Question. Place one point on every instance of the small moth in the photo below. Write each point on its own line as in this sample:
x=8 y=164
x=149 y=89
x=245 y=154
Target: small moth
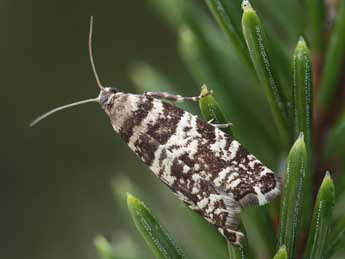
x=206 y=168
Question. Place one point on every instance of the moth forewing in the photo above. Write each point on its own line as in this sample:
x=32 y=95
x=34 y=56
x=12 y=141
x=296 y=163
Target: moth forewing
x=207 y=169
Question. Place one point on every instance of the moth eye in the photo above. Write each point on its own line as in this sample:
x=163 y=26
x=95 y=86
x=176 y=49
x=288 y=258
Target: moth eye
x=113 y=90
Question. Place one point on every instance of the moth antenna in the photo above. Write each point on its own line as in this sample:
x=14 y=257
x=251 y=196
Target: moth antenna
x=43 y=116
x=91 y=55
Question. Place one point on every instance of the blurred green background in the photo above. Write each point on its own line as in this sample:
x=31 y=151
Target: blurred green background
x=64 y=181
x=56 y=178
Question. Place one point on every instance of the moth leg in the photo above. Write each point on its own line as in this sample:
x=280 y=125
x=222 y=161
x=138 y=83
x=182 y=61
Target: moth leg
x=233 y=236
x=222 y=126
x=219 y=126
x=175 y=98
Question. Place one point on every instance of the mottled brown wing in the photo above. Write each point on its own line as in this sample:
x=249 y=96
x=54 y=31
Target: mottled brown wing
x=199 y=194
x=215 y=156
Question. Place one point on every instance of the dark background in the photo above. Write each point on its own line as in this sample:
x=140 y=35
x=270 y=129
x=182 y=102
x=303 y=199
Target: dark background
x=56 y=177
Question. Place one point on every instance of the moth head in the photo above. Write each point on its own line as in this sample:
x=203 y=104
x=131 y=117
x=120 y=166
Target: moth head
x=106 y=96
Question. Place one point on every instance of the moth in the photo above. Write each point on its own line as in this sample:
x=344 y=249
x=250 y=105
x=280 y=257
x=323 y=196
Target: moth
x=206 y=168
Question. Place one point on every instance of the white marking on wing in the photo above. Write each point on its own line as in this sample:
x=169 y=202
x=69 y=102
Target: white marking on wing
x=234 y=183
x=203 y=203
x=261 y=197
x=219 y=144
x=265 y=171
x=222 y=175
x=234 y=146
x=142 y=128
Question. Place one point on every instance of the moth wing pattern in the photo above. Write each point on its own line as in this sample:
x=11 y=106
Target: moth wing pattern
x=206 y=168
x=215 y=156
x=198 y=193
x=248 y=179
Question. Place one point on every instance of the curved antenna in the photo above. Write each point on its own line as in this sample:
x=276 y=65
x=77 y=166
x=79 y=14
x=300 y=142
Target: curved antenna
x=42 y=117
x=91 y=55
